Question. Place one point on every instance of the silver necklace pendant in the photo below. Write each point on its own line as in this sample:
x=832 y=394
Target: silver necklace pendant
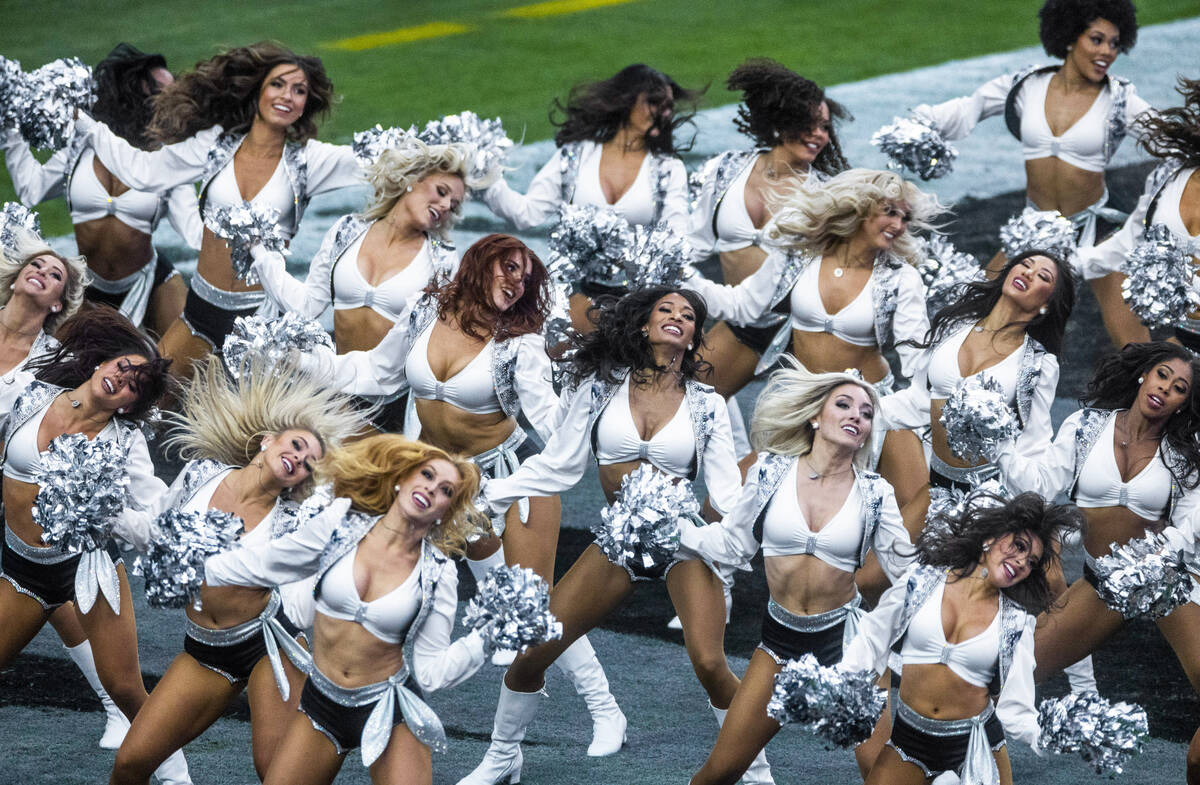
x=813 y=475
x=75 y=404
x=978 y=329
x=838 y=272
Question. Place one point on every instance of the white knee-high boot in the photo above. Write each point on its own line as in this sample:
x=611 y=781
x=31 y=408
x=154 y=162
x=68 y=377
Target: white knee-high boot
x=1082 y=676
x=502 y=762
x=759 y=772
x=580 y=665
x=173 y=770
x=116 y=724
x=479 y=568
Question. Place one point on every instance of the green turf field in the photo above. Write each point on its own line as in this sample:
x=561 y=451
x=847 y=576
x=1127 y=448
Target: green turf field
x=510 y=59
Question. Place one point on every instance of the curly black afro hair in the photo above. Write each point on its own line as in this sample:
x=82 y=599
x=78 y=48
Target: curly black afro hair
x=1063 y=21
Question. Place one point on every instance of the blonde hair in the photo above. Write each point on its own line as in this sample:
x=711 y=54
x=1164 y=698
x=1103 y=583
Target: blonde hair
x=399 y=168
x=817 y=220
x=226 y=419
x=27 y=245
x=368 y=471
x=792 y=399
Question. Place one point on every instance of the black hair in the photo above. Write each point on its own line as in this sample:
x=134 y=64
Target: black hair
x=974 y=300
x=596 y=111
x=778 y=105
x=618 y=343
x=1115 y=385
x=1175 y=132
x=96 y=336
x=1063 y=21
x=125 y=92
x=958 y=542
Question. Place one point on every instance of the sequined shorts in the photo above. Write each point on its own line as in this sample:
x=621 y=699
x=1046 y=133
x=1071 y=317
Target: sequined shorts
x=789 y=636
x=943 y=475
x=233 y=652
x=939 y=745
x=210 y=312
x=114 y=292
x=43 y=574
x=342 y=724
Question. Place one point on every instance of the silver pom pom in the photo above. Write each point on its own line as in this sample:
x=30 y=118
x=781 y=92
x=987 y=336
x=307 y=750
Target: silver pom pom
x=655 y=256
x=511 y=608
x=642 y=525
x=13 y=89
x=943 y=270
x=840 y=706
x=54 y=92
x=588 y=243
x=1159 y=287
x=174 y=564
x=915 y=145
x=243 y=225
x=1143 y=577
x=947 y=505
x=488 y=142
x=15 y=217
x=1044 y=230
x=368 y=145
x=1105 y=734
x=270 y=340
x=82 y=489
x=977 y=418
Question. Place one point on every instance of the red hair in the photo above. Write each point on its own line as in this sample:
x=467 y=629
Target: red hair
x=469 y=295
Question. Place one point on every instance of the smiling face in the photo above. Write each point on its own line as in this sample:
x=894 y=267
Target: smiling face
x=283 y=95
x=672 y=323
x=114 y=383
x=1164 y=389
x=1094 y=51
x=884 y=226
x=510 y=275
x=847 y=417
x=1030 y=283
x=289 y=455
x=43 y=279
x=432 y=201
x=803 y=147
x=424 y=496
x=1011 y=558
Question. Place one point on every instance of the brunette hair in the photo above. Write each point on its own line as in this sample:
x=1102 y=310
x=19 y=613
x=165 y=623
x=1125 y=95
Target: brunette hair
x=125 y=93
x=96 y=336
x=468 y=296
x=1063 y=21
x=595 y=111
x=1175 y=132
x=778 y=105
x=224 y=90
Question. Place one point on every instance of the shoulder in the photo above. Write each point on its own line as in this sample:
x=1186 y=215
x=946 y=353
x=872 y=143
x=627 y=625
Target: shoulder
x=35 y=396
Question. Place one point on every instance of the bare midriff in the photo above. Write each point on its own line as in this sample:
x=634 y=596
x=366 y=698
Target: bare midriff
x=446 y=426
x=223 y=607
x=1053 y=184
x=350 y=656
x=113 y=249
x=738 y=265
x=1106 y=525
x=216 y=267
x=936 y=692
x=359 y=329
x=825 y=353
x=805 y=585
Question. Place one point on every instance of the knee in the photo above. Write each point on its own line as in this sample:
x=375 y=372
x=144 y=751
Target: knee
x=712 y=670
x=128 y=692
x=131 y=766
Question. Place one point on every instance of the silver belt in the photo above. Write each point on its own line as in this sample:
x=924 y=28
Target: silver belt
x=226 y=300
x=851 y=613
x=972 y=475
x=34 y=553
x=934 y=727
x=138 y=284
x=501 y=461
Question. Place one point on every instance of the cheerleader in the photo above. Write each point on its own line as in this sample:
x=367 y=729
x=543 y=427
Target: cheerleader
x=380 y=555
x=617 y=151
x=814 y=510
x=113 y=223
x=1070 y=119
x=963 y=620
x=1130 y=461
x=101 y=382
x=633 y=400
x=372 y=266
x=1171 y=197
x=251 y=445
x=480 y=333
x=241 y=124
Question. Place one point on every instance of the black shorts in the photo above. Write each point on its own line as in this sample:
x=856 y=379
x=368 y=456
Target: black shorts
x=51 y=585
x=783 y=643
x=237 y=660
x=163 y=270
x=1091 y=577
x=938 y=480
x=387 y=418
x=754 y=338
x=936 y=754
x=343 y=725
x=211 y=322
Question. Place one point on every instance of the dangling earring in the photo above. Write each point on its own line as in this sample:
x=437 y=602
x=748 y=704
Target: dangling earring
x=1141 y=379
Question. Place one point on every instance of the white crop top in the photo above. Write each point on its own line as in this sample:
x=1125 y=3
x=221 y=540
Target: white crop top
x=735 y=229
x=1146 y=495
x=391 y=296
x=473 y=389
x=277 y=192
x=387 y=617
x=944 y=374
x=854 y=324
x=90 y=202
x=973 y=660
x=786 y=532
x=636 y=205
x=1166 y=211
x=672 y=449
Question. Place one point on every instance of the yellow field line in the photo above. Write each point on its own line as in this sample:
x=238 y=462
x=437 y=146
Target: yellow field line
x=558 y=8
x=403 y=35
